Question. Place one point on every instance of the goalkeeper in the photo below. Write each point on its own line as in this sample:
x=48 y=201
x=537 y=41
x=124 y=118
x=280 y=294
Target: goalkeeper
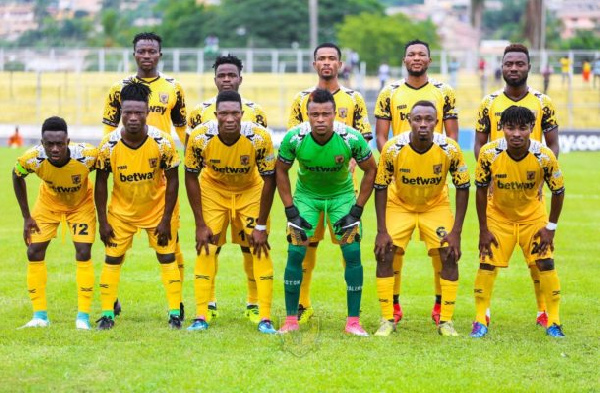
x=324 y=148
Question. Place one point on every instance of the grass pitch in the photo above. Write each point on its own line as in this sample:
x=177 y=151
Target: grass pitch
x=142 y=354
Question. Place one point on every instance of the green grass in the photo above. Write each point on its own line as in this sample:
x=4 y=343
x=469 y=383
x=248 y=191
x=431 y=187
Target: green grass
x=142 y=354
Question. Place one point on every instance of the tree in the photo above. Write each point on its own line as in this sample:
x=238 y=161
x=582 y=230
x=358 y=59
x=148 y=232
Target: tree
x=183 y=22
x=377 y=37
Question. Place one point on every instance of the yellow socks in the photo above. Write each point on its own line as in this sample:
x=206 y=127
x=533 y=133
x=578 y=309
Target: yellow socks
x=385 y=291
x=308 y=265
x=109 y=285
x=263 y=273
x=85 y=285
x=204 y=276
x=180 y=263
x=550 y=287
x=484 y=284
x=251 y=282
x=213 y=296
x=534 y=271
x=436 y=262
x=172 y=282
x=37 y=276
x=449 y=290
x=397 y=266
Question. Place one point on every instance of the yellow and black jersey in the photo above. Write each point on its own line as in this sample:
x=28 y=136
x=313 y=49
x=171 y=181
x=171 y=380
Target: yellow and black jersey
x=350 y=107
x=493 y=105
x=396 y=100
x=65 y=188
x=166 y=106
x=138 y=195
x=516 y=184
x=418 y=180
x=236 y=167
x=206 y=111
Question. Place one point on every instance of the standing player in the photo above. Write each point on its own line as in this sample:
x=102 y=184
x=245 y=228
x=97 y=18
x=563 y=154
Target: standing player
x=228 y=77
x=513 y=214
x=144 y=162
x=324 y=148
x=66 y=196
x=515 y=70
x=232 y=157
x=393 y=107
x=417 y=162
x=350 y=110
x=166 y=105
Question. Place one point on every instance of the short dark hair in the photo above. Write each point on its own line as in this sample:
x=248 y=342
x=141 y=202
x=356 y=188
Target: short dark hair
x=417 y=42
x=517 y=48
x=328 y=45
x=517 y=116
x=423 y=103
x=229 y=96
x=135 y=91
x=228 y=59
x=320 y=96
x=54 y=123
x=150 y=36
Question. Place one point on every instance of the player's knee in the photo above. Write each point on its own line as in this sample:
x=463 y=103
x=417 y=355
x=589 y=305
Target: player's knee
x=36 y=251
x=83 y=251
x=165 y=258
x=113 y=260
x=385 y=267
x=487 y=266
x=545 y=264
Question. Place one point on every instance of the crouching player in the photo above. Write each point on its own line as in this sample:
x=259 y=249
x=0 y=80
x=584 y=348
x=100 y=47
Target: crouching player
x=66 y=196
x=416 y=164
x=231 y=158
x=512 y=169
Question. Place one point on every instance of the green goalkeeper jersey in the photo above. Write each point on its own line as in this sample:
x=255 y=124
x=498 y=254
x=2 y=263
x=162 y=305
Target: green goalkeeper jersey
x=323 y=171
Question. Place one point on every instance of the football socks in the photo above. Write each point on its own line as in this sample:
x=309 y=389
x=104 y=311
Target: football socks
x=308 y=265
x=449 y=291
x=484 y=284
x=251 y=281
x=85 y=285
x=550 y=286
x=397 y=266
x=204 y=276
x=292 y=278
x=354 y=277
x=263 y=272
x=37 y=276
x=385 y=288
x=172 y=282
x=436 y=262
x=534 y=272
x=109 y=287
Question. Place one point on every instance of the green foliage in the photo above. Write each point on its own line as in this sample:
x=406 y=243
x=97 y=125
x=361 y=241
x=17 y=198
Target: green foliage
x=506 y=23
x=583 y=40
x=377 y=37
x=184 y=22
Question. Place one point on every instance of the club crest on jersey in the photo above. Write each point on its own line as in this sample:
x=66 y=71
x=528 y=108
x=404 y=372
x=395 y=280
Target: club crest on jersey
x=76 y=179
x=163 y=98
x=153 y=162
x=530 y=175
x=437 y=169
x=245 y=160
x=343 y=112
x=339 y=159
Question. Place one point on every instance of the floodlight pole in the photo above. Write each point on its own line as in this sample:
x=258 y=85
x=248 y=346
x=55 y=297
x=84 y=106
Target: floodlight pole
x=313 y=21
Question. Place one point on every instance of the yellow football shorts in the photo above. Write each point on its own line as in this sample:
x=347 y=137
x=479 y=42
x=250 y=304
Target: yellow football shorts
x=81 y=223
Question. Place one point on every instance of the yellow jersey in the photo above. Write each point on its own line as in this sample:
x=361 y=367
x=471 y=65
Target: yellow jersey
x=516 y=195
x=139 y=184
x=350 y=110
x=206 y=111
x=65 y=188
x=493 y=105
x=235 y=167
x=396 y=100
x=166 y=105
x=418 y=180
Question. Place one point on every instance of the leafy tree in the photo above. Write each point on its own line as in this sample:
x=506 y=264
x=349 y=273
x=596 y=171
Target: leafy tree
x=583 y=40
x=377 y=37
x=183 y=22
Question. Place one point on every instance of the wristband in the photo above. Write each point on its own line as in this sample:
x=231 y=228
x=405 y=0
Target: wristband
x=260 y=227
x=551 y=226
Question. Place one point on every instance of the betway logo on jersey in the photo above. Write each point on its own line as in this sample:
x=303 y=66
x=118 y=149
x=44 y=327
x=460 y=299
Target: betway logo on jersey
x=422 y=181
x=62 y=190
x=157 y=109
x=136 y=177
x=515 y=185
x=324 y=168
x=231 y=170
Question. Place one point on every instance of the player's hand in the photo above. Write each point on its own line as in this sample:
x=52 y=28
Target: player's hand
x=452 y=241
x=352 y=165
x=348 y=226
x=486 y=239
x=106 y=232
x=296 y=226
x=383 y=246
x=163 y=232
x=204 y=237
x=30 y=226
x=259 y=242
x=546 y=237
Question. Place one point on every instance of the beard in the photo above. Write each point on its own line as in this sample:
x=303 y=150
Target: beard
x=517 y=82
x=417 y=73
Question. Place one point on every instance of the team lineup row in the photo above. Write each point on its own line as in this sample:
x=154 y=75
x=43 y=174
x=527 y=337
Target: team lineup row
x=239 y=173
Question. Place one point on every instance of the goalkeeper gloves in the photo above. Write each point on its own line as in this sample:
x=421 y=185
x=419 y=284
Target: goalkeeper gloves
x=348 y=226
x=296 y=226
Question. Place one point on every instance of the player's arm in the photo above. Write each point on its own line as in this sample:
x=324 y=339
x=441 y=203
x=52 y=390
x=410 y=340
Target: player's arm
x=282 y=179
x=451 y=128
x=369 y=167
x=163 y=230
x=551 y=138
x=382 y=130
x=101 y=198
x=204 y=235
x=29 y=224
x=295 y=112
x=481 y=138
x=486 y=238
x=450 y=114
x=259 y=237
x=383 y=241
x=453 y=238
x=112 y=109
x=554 y=180
x=178 y=114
